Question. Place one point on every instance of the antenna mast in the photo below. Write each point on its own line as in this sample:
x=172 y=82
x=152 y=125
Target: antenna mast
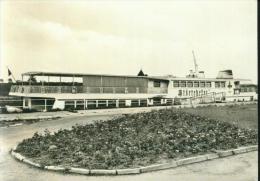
x=195 y=63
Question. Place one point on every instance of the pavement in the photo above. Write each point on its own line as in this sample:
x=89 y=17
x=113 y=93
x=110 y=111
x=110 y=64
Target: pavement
x=241 y=167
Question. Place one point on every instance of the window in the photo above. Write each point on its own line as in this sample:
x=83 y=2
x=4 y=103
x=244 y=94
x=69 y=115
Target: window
x=208 y=84
x=157 y=84
x=222 y=84
x=183 y=84
x=196 y=84
x=217 y=84
x=190 y=84
x=202 y=84
x=175 y=83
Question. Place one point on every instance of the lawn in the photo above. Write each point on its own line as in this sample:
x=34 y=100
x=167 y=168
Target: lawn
x=244 y=116
x=145 y=138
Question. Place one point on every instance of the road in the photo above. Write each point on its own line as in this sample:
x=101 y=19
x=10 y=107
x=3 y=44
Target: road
x=236 y=168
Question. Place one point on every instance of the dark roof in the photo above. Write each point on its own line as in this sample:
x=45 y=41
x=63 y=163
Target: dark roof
x=141 y=73
x=62 y=74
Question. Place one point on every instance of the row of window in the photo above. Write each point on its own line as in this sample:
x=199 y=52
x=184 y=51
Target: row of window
x=247 y=89
x=192 y=92
x=197 y=84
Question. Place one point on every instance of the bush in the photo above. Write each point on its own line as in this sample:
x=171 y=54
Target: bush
x=135 y=140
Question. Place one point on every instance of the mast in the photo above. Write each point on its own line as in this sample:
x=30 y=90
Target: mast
x=195 y=63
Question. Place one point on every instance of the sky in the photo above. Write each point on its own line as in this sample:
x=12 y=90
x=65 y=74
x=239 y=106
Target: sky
x=121 y=37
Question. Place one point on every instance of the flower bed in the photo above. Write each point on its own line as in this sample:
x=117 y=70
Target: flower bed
x=135 y=140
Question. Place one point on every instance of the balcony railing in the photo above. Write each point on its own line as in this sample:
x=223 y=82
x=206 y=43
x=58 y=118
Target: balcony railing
x=74 y=89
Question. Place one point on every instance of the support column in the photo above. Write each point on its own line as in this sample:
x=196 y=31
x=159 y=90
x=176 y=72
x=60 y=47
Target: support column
x=106 y=103
x=45 y=104
x=75 y=104
x=139 y=102
x=117 y=103
x=84 y=104
x=30 y=103
x=96 y=103
x=23 y=102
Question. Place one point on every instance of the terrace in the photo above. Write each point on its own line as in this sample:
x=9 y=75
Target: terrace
x=26 y=89
x=58 y=83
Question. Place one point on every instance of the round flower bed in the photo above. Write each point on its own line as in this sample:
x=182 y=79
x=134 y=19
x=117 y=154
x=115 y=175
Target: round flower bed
x=135 y=140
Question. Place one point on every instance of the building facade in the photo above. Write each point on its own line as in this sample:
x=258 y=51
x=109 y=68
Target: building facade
x=92 y=91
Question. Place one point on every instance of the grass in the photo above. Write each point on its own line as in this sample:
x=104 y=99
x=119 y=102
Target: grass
x=142 y=139
x=244 y=116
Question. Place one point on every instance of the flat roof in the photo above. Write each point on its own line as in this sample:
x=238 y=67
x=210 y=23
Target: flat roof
x=165 y=78
x=62 y=74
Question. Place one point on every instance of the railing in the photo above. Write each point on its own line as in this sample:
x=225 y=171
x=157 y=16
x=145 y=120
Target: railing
x=205 y=98
x=75 y=89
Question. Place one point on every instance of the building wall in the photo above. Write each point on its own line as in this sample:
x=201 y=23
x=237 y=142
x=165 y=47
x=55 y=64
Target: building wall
x=115 y=84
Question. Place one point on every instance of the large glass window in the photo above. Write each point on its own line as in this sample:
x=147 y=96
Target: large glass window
x=183 y=84
x=217 y=84
x=189 y=84
x=202 y=84
x=196 y=84
x=208 y=84
x=157 y=84
x=175 y=83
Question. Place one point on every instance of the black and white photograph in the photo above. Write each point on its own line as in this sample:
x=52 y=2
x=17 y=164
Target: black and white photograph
x=122 y=90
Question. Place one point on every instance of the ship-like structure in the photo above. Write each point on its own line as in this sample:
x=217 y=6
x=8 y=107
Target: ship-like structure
x=92 y=91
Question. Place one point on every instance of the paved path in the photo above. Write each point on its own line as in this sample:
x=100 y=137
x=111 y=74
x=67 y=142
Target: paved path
x=236 y=168
x=13 y=116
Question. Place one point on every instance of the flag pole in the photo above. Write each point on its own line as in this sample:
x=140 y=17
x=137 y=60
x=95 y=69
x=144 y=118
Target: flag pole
x=9 y=72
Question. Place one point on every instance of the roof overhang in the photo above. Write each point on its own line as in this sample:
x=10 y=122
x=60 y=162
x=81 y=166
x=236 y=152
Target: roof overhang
x=57 y=74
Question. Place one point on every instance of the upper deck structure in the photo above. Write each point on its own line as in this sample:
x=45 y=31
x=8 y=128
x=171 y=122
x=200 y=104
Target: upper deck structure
x=71 y=87
x=48 y=90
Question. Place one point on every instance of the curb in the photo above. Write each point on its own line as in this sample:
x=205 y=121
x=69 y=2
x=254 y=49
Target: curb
x=190 y=160
x=150 y=168
x=128 y=171
x=158 y=167
x=79 y=171
x=212 y=156
x=225 y=153
x=102 y=172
